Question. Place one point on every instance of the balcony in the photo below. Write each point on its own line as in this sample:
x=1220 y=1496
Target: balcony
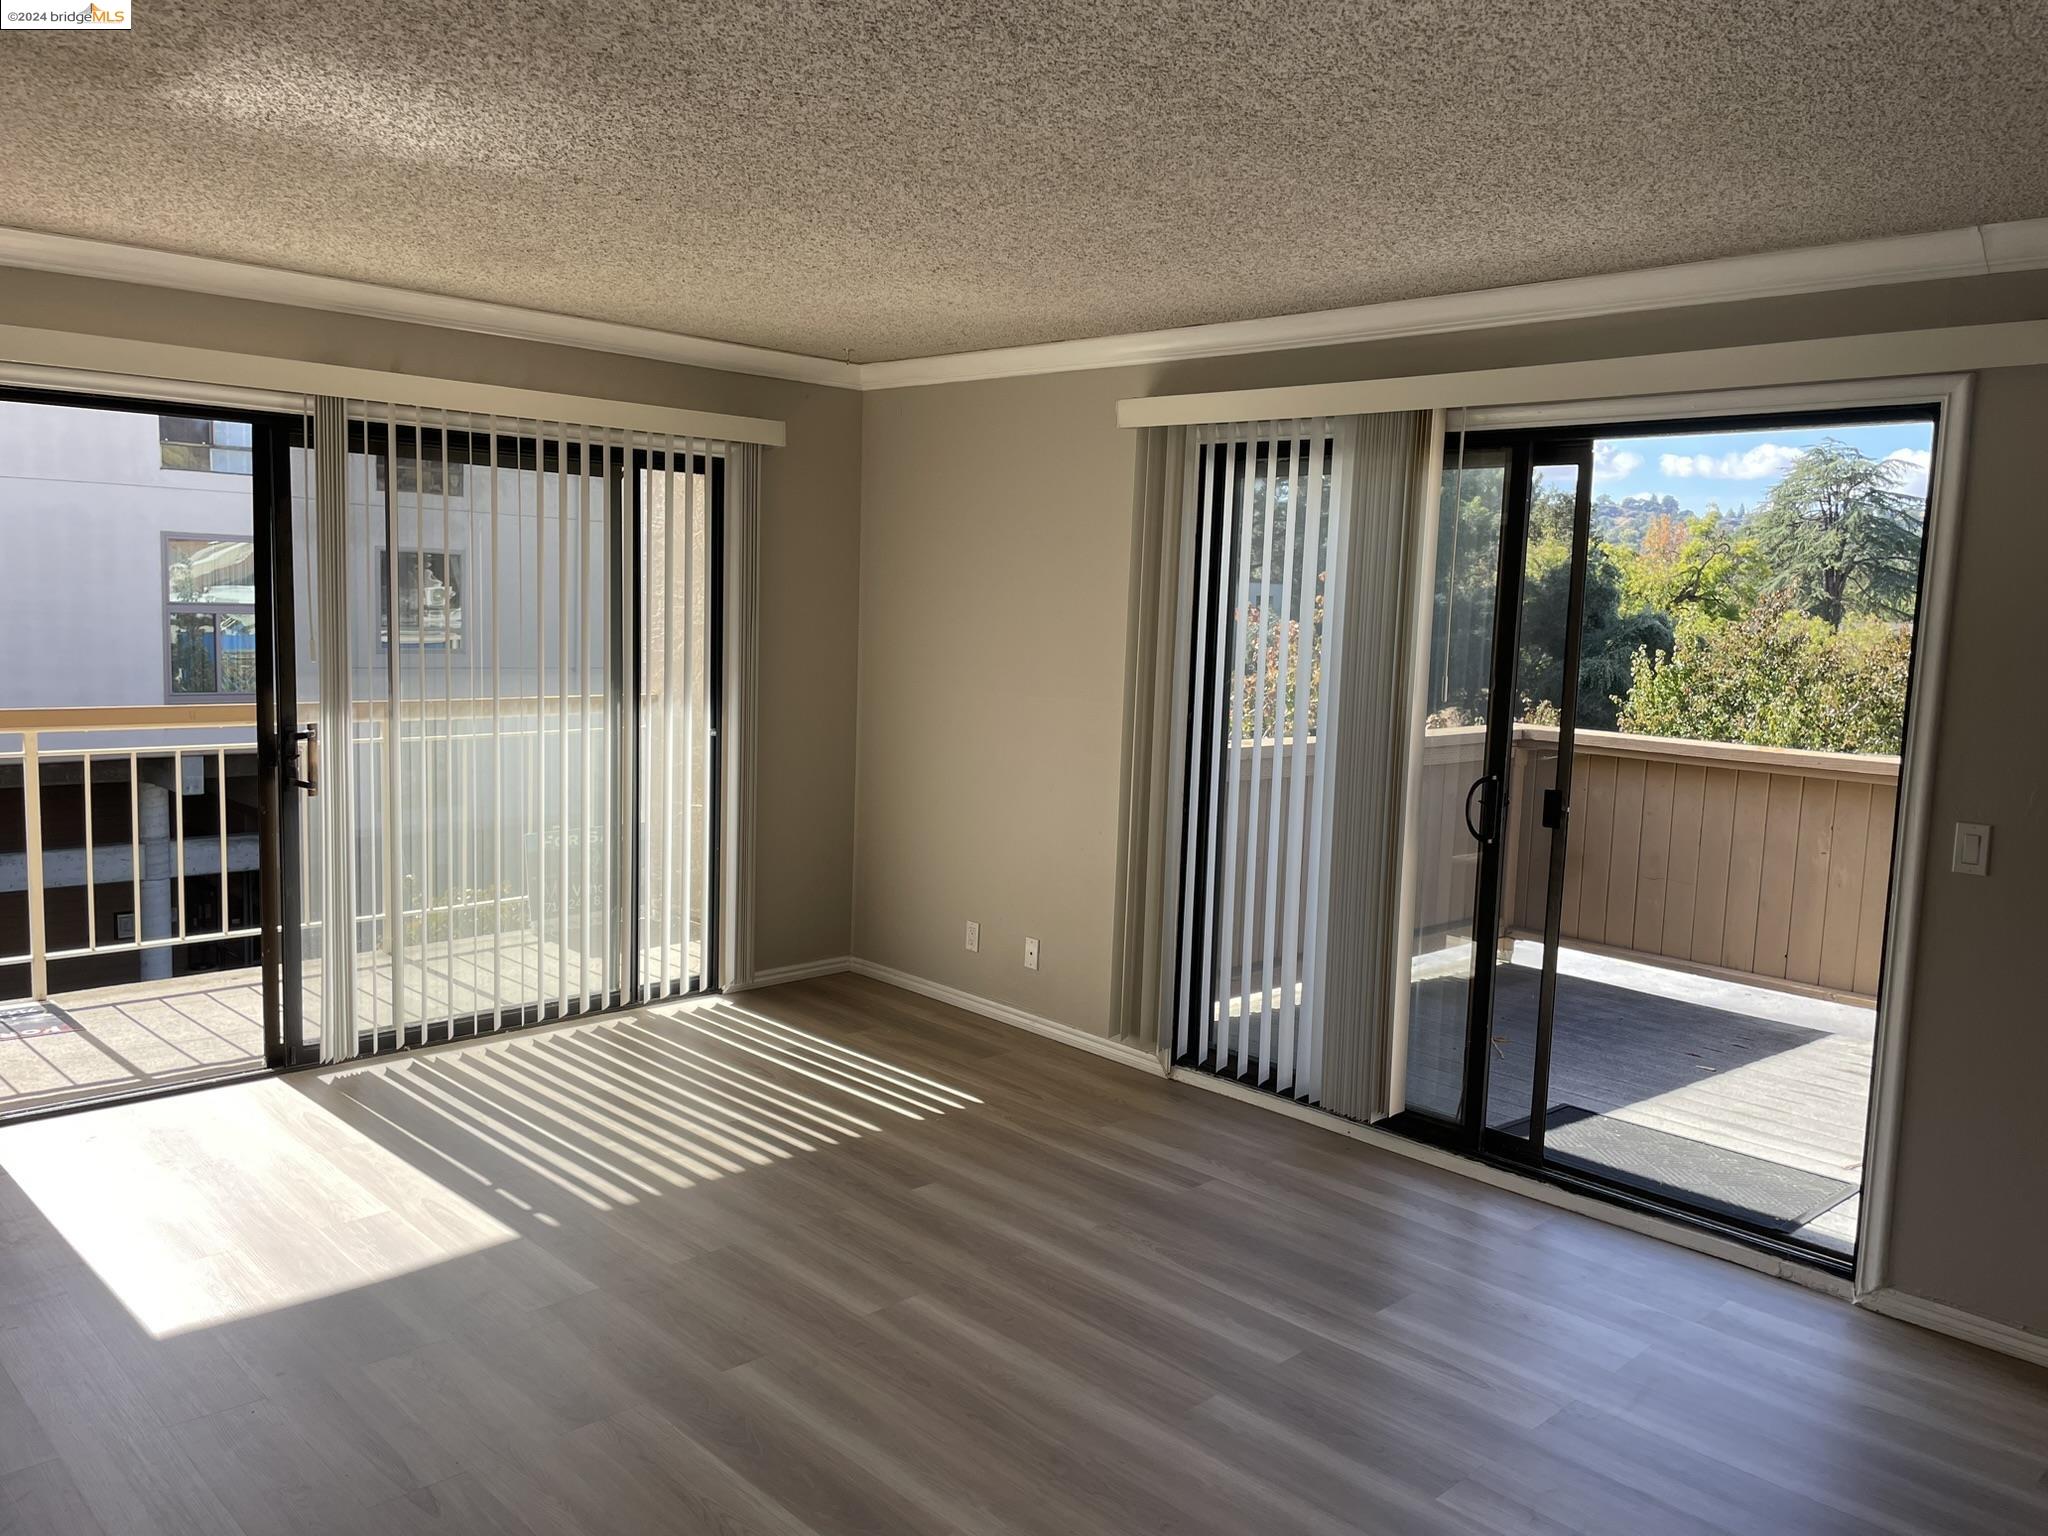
x=1722 y=927
x=130 y=902
x=1722 y=933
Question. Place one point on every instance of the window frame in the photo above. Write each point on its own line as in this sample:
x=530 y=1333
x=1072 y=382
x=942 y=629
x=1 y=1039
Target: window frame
x=173 y=609
x=386 y=616
x=212 y=425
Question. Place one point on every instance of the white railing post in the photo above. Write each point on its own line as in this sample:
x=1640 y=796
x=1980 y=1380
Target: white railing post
x=32 y=821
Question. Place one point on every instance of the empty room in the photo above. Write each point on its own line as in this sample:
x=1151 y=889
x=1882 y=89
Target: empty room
x=1032 y=768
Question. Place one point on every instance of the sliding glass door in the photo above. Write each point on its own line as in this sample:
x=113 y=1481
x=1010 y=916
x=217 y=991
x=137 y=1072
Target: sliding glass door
x=1659 y=766
x=508 y=667
x=1501 y=661
x=141 y=831
x=1454 y=780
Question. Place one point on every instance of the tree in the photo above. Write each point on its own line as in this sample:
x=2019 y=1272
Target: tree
x=1272 y=645
x=1777 y=677
x=1842 y=536
x=1694 y=563
x=1467 y=567
x=1610 y=635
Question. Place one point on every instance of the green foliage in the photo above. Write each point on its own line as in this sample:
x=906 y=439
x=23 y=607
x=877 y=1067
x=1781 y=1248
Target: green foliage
x=1696 y=564
x=1776 y=677
x=1625 y=523
x=1611 y=634
x=1789 y=627
x=1467 y=566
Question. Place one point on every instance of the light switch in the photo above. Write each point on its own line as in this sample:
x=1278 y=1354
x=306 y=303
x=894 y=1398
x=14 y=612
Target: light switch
x=1973 y=848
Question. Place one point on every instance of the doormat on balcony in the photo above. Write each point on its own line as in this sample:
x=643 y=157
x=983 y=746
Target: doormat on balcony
x=32 y=1021
x=1698 y=1174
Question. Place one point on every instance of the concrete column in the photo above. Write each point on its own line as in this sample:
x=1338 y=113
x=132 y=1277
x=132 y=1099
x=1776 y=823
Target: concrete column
x=159 y=915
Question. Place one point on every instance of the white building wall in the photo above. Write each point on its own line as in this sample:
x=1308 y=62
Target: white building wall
x=84 y=506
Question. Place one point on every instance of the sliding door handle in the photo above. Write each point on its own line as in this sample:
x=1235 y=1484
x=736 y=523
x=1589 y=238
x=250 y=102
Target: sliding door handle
x=1488 y=806
x=306 y=759
x=1553 y=809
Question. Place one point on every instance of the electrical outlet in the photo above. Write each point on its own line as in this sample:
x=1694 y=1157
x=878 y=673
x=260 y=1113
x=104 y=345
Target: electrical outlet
x=1031 y=954
x=974 y=938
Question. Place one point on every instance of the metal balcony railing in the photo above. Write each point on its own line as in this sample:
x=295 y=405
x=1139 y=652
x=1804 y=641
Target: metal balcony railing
x=185 y=780
x=155 y=752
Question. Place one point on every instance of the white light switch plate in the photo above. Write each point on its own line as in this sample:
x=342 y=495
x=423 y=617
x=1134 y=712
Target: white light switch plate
x=1973 y=848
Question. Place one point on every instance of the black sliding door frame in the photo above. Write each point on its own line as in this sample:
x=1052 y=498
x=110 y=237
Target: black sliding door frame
x=284 y=753
x=1468 y=1132
x=1488 y=799
x=273 y=436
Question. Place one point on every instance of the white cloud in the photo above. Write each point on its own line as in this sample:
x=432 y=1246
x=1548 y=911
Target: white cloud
x=1759 y=463
x=1916 y=462
x=1612 y=463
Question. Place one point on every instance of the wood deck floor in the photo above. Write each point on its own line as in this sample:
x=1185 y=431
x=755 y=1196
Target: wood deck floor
x=1769 y=1074
x=834 y=1258
x=146 y=1035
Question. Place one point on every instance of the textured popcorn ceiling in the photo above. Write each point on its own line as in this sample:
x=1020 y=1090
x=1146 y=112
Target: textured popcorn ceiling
x=868 y=181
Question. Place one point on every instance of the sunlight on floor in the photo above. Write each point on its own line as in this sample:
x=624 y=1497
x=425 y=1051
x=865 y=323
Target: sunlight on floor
x=205 y=1207
x=625 y=1107
x=201 y=1208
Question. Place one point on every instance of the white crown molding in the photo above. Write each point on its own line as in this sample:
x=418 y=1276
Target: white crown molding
x=201 y=274
x=1972 y=252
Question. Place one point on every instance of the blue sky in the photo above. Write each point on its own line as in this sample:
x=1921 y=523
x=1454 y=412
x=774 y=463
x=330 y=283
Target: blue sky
x=1736 y=469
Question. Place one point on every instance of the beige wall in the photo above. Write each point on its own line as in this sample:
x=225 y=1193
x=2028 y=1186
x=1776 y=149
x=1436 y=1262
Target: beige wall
x=994 y=562
x=994 y=575
x=1974 y=1151
x=809 y=541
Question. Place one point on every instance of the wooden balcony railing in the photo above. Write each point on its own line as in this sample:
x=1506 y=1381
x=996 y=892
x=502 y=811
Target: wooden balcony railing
x=1761 y=862
x=1767 y=865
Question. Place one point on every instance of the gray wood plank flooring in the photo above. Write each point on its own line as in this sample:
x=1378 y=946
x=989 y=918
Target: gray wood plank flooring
x=835 y=1258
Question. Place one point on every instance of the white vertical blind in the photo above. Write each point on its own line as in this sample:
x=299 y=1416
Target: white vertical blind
x=1304 y=555
x=676 y=579
x=486 y=594
x=1263 y=502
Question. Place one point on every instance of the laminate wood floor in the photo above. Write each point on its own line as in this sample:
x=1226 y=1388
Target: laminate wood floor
x=835 y=1258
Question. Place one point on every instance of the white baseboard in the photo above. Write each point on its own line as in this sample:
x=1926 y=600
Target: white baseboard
x=1003 y=1013
x=804 y=970
x=2020 y=1343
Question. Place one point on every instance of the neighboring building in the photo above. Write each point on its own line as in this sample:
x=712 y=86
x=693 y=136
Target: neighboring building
x=129 y=579
x=126 y=555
